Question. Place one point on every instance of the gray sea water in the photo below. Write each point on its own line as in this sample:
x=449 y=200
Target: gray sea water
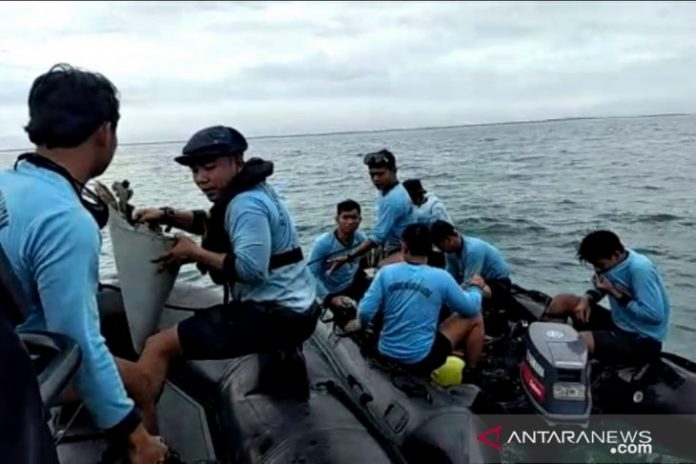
x=531 y=189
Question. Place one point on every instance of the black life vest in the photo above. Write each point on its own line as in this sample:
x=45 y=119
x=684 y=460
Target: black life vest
x=216 y=238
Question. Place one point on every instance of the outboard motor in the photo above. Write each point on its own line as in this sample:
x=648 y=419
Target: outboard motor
x=555 y=373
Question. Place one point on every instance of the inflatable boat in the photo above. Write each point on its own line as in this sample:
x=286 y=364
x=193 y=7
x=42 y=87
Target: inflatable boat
x=336 y=400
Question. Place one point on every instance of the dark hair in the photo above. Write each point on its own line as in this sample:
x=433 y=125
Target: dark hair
x=440 y=230
x=66 y=106
x=347 y=206
x=600 y=244
x=418 y=239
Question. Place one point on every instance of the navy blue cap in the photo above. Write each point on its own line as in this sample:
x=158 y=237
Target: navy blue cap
x=210 y=143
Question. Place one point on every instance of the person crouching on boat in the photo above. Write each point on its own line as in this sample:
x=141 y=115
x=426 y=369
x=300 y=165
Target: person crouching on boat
x=410 y=294
x=340 y=290
x=250 y=246
x=637 y=324
x=395 y=211
x=428 y=207
x=469 y=256
x=49 y=229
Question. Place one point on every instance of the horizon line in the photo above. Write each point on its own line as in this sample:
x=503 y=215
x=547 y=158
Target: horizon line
x=404 y=129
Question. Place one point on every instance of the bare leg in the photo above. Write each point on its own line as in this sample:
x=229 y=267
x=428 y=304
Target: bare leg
x=137 y=386
x=561 y=306
x=159 y=351
x=468 y=332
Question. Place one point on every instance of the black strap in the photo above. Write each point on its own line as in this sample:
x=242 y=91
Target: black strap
x=13 y=303
x=200 y=220
x=287 y=257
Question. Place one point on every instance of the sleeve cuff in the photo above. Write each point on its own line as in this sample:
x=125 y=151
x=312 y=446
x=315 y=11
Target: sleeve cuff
x=126 y=426
x=470 y=287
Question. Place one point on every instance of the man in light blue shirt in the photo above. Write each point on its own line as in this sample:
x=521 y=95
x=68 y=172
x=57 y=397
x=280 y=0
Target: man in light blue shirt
x=51 y=237
x=348 y=283
x=410 y=295
x=395 y=211
x=250 y=246
x=637 y=324
x=428 y=207
x=469 y=256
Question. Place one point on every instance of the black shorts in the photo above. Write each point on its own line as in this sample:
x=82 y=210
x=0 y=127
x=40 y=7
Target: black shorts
x=614 y=345
x=437 y=356
x=501 y=293
x=240 y=328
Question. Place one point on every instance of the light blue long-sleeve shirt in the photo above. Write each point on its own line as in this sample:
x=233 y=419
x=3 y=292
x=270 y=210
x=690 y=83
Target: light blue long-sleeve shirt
x=411 y=296
x=328 y=245
x=432 y=210
x=260 y=225
x=647 y=312
x=477 y=257
x=395 y=212
x=53 y=245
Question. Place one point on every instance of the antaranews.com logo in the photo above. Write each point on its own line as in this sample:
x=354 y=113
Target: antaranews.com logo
x=617 y=441
x=527 y=439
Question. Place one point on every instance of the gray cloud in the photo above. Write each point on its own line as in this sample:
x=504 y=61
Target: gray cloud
x=278 y=67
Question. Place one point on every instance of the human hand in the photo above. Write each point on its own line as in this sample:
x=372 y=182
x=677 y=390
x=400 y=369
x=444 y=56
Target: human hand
x=146 y=448
x=582 y=310
x=343 y=302
x=183 y=251
x=152 y=215
x=352 y=326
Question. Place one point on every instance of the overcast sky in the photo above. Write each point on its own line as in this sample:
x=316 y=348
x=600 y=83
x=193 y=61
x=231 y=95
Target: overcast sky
x=280 y=68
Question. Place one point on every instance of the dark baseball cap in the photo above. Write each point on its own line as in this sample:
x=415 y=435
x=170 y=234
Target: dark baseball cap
x=210 y=143
x=414 y=186
x=380 y=158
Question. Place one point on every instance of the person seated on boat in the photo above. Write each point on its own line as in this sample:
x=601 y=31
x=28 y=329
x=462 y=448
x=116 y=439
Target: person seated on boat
x=469 y=256
x=635 y=327
x=410 y=295
x=395 y=211
x=51 y=236
x=348 y=284
x=428 y=207
x=250 y=246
